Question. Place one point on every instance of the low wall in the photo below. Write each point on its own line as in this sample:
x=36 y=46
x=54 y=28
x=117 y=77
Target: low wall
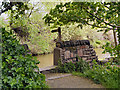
x=70 y=51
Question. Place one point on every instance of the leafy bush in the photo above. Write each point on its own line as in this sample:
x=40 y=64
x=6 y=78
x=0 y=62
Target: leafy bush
x=18 y=67
x=81 y=65
x=68 y=67
x=114 y=51
x=107 y=75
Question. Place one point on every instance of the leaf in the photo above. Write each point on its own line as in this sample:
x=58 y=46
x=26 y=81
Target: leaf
x=99 y=30
x=80 y=25
x=106 y=30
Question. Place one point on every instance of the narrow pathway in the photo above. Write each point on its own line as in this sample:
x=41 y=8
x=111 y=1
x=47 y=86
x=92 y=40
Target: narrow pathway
x=59 y=80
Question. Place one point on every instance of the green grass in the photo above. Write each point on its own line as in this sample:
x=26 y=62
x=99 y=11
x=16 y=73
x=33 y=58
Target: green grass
x=107 y=77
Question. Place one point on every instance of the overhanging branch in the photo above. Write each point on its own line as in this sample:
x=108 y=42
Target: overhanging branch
x=99 y=18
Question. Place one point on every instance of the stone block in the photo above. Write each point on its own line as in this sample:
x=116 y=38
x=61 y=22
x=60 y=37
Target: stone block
x=93 y=54
x=57 y=55
x=80 y=52
x=93 y=51
x=71 y=54
x=86 y=46
x=67 y=54
x=89 y=49
x=88 y=53
x=90 y=46
x=94 y=57
x=88 y=58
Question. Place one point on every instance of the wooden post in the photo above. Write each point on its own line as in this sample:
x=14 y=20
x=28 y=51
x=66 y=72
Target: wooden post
x=57 y=50
x=59 y=33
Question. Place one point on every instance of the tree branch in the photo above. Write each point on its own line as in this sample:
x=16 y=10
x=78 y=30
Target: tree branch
x=96 y=26
x=32 y=10
x=6 y=9
x=99 y=18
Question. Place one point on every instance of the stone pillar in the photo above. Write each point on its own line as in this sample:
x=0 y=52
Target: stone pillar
x=57 y=55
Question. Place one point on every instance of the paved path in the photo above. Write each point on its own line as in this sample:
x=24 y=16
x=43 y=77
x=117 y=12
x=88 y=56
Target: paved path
x=59 y=80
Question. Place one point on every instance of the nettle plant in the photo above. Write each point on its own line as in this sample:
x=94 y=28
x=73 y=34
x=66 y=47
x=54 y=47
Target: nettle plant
x=18 y=66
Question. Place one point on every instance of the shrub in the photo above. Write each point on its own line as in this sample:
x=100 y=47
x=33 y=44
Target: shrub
x=107 y=75
x=80 y=66
x=18 y=67
x=66 y=67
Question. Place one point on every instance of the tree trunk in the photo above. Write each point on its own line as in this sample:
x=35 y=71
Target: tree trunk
x=118 y=28
x=115 y=40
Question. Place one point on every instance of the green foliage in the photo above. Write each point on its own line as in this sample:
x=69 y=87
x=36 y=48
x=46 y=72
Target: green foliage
x=37 y=35
x=18 y=67
x=96 y=14
x=0 y=59
x=32 y=30
x=81 y=66
x=17 y=7
x=84 y=13
x=114 y=51
x=68 y=67
x=72 y=32
x=107 y=75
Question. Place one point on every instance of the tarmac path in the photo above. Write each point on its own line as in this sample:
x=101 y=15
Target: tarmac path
x=60 y=80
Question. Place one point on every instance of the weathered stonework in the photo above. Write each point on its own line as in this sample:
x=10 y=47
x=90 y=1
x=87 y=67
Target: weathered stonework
x=57 y=55
x=71 y=50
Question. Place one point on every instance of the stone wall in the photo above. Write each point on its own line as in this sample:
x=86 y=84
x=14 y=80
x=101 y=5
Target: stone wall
x=72 y=50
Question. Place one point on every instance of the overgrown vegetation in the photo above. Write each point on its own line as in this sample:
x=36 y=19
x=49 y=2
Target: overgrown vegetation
x=30 y=28
x=102 y=15
x=18 y=67
x=107 y=75
x=26 y=21
x=113 y=51
x=79 y=66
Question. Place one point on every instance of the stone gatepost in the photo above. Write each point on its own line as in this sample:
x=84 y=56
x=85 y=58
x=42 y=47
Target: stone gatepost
x=57 y=55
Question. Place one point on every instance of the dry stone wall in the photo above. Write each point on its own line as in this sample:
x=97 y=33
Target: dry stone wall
x=72 y=50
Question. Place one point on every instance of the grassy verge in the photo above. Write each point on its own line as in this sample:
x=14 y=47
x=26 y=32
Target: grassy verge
x=108 y=81
x=106 y=75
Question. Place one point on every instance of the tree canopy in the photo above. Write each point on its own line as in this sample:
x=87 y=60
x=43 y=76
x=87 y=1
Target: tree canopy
x=96 y=14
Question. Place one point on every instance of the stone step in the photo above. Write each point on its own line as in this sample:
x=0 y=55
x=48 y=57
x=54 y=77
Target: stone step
x=94 y=54
x=94 y=57
x=93 y=51
x=56 y=77
x=89 y=49
x=84 y=56
x=49 y=68
x=90 y=46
